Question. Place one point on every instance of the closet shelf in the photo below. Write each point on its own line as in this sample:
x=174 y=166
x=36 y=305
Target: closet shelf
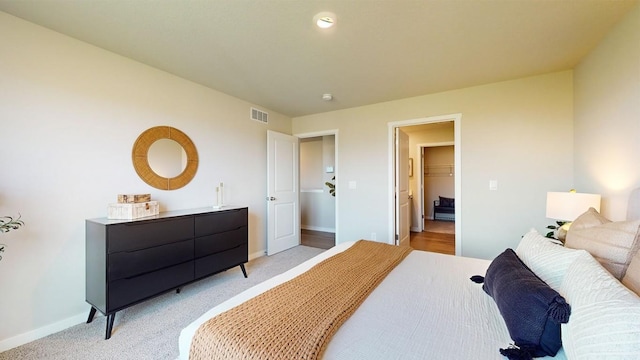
x=439 y=170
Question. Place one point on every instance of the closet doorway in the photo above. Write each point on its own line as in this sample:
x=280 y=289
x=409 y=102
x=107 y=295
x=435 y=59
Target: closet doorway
x=438 y=199
x=438 y=185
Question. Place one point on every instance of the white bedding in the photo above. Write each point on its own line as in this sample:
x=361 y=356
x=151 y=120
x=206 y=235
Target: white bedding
x=426 y=308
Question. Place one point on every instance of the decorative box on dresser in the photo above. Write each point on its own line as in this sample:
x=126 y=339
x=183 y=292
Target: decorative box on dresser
x=130 y=261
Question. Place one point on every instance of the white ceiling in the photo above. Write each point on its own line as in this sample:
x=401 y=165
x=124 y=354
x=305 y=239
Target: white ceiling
x=270 y=53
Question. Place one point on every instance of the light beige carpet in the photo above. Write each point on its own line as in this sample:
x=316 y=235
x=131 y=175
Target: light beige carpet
x=150 y=330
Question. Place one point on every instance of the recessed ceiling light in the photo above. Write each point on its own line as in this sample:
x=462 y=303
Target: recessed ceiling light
x=325 y=19
x=327 y=97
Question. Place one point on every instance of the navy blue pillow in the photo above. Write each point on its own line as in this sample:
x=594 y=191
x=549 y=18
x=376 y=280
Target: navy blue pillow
x=531 y=309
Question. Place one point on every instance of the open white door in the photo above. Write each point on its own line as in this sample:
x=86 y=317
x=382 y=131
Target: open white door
x=403 y=221
x=283 y=210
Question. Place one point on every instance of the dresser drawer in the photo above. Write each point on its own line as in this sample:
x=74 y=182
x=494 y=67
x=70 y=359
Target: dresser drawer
x=220 y=221
x=207 y=245
x=224 y=260
x=127 y=264
x=125 y=292
x=145 y=234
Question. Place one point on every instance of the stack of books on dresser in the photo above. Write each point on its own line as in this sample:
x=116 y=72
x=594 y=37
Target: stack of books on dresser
x=133 y=206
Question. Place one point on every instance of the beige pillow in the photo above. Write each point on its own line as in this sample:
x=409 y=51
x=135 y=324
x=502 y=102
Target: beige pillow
x=613 y=244
x=589 y=218
x=632 y=278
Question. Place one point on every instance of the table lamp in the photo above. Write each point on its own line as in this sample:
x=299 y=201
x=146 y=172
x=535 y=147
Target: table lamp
x=567 y=206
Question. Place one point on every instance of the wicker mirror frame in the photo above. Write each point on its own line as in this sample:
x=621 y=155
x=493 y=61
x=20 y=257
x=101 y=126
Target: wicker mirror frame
x=141 y=161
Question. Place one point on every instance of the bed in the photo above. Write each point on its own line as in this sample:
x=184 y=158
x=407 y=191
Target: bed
x=428 y=308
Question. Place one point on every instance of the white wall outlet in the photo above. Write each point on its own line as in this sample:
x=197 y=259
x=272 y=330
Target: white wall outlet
x=493 y=185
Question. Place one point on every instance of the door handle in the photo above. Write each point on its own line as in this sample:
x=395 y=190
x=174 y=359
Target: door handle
x=270 y=198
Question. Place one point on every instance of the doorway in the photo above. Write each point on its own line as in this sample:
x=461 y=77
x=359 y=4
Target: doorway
x=318 y=200
x=418 y=210
x=435 y=232
x=436 y=180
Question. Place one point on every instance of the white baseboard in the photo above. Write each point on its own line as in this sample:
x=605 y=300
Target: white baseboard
x=317 y=228
x=414 y=229
x=257 y=254
x=36 y=334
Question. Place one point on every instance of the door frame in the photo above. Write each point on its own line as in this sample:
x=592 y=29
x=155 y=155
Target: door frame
x=402 y=188
x=457 y=125
x=336 y=169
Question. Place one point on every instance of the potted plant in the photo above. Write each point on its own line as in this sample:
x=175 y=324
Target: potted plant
x=331 y=186
x=7 y=223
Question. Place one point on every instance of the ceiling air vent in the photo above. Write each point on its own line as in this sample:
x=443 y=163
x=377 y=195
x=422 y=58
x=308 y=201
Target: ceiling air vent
x=259 y=115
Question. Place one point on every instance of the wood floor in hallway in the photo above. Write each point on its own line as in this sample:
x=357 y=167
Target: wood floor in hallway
x=317 y=239
x=439 y=236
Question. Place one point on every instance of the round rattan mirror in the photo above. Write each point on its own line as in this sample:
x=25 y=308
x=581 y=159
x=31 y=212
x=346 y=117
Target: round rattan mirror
x=140 y=156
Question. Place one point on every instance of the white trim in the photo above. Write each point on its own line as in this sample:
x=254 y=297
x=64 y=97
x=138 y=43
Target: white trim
x=444 y=143
x=311 y=190
x=457 y=124
x=317 y=133
x=257 y=254
x=333 y=132
x=41 y=332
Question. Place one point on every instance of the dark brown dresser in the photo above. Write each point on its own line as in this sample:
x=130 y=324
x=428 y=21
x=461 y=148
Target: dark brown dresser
x=130 y=261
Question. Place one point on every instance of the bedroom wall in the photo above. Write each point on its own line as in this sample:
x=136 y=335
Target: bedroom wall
x=514 y=132
x=607 y=117
x=70 y=113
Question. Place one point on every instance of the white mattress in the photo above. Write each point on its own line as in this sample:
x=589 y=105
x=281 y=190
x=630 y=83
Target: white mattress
x=426 y=308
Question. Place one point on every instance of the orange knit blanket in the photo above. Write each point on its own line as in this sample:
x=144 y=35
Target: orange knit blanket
x=296 y=319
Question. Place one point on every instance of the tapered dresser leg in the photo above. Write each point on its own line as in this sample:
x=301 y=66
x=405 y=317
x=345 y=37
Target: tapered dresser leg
x=244 y=271
x=92 y=313
x=110 y=319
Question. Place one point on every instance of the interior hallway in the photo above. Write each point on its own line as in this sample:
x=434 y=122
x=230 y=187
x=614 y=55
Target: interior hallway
x=438 y=236
x=317 y=239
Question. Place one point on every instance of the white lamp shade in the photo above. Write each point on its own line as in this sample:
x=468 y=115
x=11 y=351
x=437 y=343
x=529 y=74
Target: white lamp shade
x=568 y=206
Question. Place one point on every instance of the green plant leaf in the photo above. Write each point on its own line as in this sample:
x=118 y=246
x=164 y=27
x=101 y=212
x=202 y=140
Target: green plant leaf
x=7 y=223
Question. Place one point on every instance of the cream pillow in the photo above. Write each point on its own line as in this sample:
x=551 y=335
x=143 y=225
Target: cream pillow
x=613 y=244
x=589 y=218
x=547 y=260
x=605 y=315
x=632 y=277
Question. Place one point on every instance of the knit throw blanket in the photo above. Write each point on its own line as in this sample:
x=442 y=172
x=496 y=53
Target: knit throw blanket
x=296 y=319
